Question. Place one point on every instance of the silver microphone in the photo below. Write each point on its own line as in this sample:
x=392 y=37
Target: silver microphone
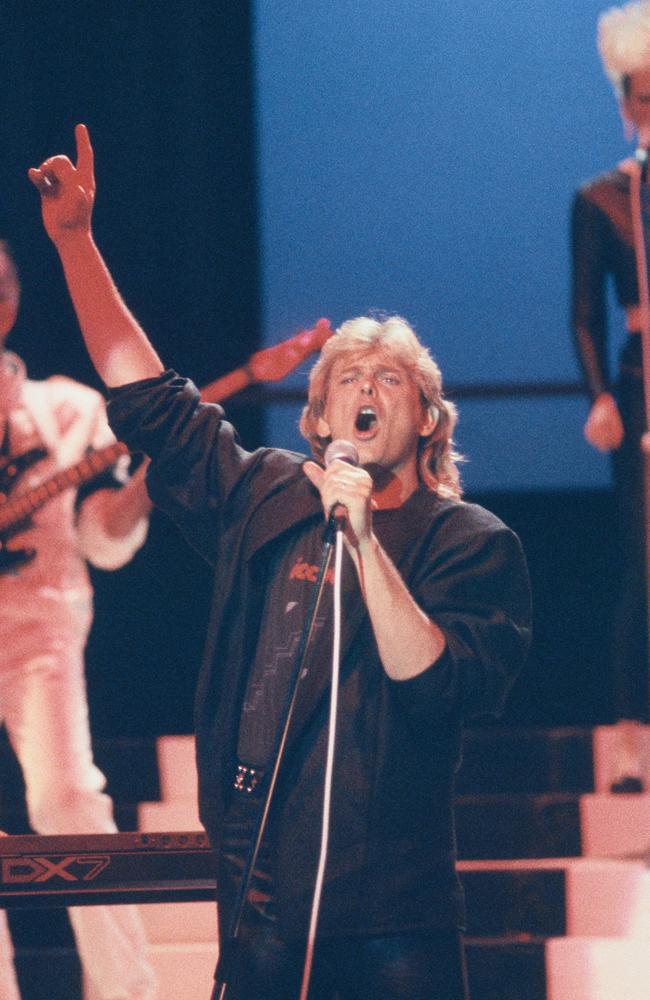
x=344 y=451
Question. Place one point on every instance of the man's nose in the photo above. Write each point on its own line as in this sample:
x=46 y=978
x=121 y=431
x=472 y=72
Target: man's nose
x=367 y=386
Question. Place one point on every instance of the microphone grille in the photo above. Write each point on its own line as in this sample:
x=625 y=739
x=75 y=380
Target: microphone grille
x=345 y=451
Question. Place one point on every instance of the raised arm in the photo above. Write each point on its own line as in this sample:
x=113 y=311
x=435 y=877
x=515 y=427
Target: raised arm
x=118 y=347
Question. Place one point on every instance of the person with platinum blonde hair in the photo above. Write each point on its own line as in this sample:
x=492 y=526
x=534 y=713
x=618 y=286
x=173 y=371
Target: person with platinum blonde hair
x=394 y=337
x=436 y=627
x=605 y=248
x=624 y=42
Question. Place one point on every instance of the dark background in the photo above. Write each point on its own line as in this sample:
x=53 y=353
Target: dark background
x=170 y=93
x=167 y=93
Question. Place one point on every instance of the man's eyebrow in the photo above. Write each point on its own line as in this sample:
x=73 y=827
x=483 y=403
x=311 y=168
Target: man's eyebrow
x=390 y=370
x=381 y=368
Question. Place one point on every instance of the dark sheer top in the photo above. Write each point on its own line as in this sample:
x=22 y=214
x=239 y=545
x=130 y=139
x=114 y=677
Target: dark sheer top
x=602 y=245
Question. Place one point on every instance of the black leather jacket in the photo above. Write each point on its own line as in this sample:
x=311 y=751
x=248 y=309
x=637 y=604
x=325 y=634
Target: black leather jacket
x=392 y=847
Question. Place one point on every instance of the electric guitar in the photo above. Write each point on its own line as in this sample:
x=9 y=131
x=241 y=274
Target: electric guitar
x=15 y=512
x=268 y=365
x=13 y=466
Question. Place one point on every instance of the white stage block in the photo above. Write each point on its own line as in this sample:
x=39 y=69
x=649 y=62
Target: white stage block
x=615 y=825
x=608 y=899
x=184 y=971
x=158 y=817
x=597 y=969
x=605 y=740
x=177 y=767
x=180 y=923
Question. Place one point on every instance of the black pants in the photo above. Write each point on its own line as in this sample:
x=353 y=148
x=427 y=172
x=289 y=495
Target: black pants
x=427 y=965
x=416 y=965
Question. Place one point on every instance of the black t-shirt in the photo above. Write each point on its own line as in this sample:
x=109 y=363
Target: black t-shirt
x=291 y=578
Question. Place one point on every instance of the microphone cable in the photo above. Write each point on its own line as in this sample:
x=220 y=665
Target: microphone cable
x=329 y=768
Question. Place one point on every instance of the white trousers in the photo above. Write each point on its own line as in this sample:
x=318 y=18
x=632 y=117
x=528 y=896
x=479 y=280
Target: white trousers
x=44 y=707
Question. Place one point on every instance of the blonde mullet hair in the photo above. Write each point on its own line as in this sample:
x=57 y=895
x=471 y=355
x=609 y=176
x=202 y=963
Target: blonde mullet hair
x=437 y=460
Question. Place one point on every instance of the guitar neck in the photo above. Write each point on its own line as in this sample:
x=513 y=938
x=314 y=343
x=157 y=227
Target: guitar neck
x=286 y=357
x=15 y=510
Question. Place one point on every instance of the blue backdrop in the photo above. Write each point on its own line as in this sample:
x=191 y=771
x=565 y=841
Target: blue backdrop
x=420 y=158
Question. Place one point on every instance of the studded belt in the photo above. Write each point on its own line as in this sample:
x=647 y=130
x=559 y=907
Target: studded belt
x=247 y=779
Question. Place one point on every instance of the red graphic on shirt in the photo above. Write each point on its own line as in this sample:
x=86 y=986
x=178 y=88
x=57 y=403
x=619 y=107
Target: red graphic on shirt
x=302 y=570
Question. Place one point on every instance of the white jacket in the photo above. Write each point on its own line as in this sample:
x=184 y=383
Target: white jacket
x=67 y=419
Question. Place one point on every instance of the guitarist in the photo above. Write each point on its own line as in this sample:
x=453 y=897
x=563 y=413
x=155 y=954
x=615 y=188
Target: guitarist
x=46 y=600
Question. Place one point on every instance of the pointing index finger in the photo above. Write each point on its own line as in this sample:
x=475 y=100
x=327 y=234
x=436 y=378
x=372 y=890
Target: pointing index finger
x=85 y=157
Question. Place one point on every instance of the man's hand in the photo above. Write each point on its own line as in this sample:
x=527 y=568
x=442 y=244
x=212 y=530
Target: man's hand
x=118 y=346
x=407 y=640
x=604 y=427
x=351 y=486
x=67 y=190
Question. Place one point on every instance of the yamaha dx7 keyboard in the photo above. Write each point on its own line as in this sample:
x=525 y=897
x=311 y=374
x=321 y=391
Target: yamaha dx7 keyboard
x=105 y=868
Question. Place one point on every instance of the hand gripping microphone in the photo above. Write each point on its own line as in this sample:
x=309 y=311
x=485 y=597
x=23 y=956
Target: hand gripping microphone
x=345 y=451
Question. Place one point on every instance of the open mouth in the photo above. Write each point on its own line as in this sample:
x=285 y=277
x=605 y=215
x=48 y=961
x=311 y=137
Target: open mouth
x=366 y=419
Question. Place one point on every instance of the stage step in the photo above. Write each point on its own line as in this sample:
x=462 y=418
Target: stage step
x=504 y=968
x=551 y=897
x=184 y=971
x=511 y=902
x=557 y=929
x=555 y=910
x=605 y=740
x=592 y=968
x=518 y=826
x=615 y=825
x=501 y=967
x=535 y=761
x=566 y=968
x=179 y=814
x=180 y=923
x=176 y=768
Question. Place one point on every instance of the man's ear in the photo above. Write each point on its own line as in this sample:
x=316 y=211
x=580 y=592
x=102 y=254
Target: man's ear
x=429 y=421
x=323 y=428
x=629 y=126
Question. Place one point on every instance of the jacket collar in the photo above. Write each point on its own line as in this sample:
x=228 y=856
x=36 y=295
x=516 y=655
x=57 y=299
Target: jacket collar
x=293 y=500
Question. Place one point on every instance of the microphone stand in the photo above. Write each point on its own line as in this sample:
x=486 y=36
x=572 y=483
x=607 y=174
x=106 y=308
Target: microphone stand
x=640 y=206
x=228 y=957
